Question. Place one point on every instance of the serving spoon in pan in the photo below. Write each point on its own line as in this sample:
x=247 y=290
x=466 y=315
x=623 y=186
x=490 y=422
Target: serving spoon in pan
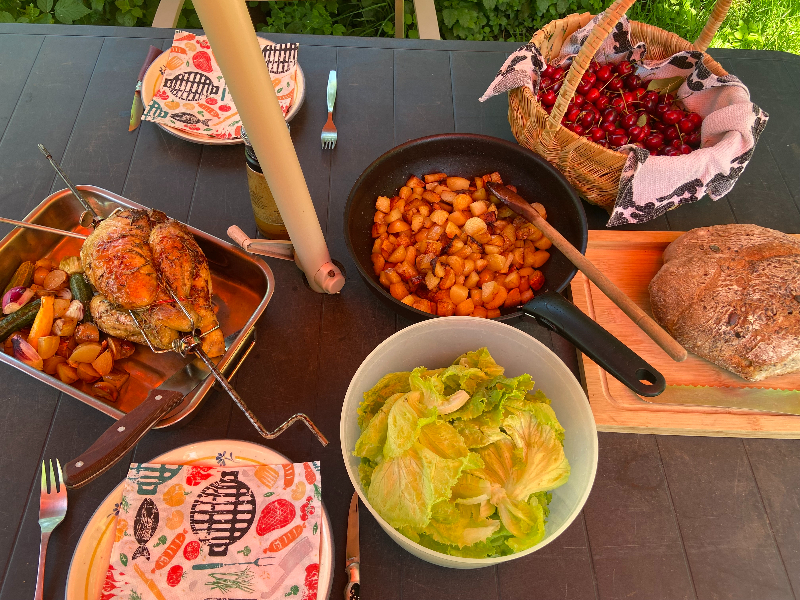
x=520 y=206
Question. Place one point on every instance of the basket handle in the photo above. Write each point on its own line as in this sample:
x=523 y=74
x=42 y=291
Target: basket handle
x=715 y=19
x=596 y=38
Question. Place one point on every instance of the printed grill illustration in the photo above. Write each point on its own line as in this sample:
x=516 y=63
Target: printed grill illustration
x=223 y=513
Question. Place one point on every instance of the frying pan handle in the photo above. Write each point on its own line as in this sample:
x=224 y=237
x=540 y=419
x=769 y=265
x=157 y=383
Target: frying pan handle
x=553 y=311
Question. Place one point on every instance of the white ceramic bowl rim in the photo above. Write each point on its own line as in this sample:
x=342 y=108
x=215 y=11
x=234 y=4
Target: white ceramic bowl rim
x=441 y=322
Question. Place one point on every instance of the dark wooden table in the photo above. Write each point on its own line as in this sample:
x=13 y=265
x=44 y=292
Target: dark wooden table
x=669 y=517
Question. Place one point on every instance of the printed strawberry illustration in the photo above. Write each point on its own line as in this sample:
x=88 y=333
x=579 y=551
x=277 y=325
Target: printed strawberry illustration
x=311 y=582
x=174 y=575
x=197 y=475
x=204 y=44
x=191 y=550
x=162 y=95
x=202 y=61
x=224 y=108
x=211 y=101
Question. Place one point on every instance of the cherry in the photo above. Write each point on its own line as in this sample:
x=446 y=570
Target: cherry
x=578 y=100
x=577 y=129
x=629 y=97
x=549 y=98
x=686 y=125
x=584 y=87
x=618 y=139
x=593 y=66
x=636 y=133
x=649 y=105
x=592 y=95
x=610 y=115
x=676 y=143
x=639 y=93
x=608 y=126
x=624 y=68
x=573 y=114
x=589 y=77
x=670 y=151
x=655 y=141
x=587 y=119
x=597 y=134
x=548 y=71
x=615 y=84
x=693 y=139
x=672 y=134
x=601 y=103
x=662 y=108
x=671 y=117
x=651 y=95
x=602 y=143
x=695 y=118
x=668 y=98
x=545 y=83
x=632 y=82
x=659 y=126
x=618 y=103
x=558 y=73
x=685 y=148
x=604 y=73
x=629 y=121
x=557 y=85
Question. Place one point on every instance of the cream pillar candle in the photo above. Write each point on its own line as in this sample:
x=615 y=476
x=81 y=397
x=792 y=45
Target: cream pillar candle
x=230 y=32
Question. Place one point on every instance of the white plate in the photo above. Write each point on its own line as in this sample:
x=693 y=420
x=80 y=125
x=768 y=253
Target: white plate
x=152 y=81
x=92 y=554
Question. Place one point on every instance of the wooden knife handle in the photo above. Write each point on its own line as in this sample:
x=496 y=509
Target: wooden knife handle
x=120 y=437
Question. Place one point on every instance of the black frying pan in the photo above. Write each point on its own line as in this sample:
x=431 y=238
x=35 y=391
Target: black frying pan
x=469 y=155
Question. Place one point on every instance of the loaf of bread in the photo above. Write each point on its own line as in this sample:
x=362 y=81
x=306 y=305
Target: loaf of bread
x=731 y=294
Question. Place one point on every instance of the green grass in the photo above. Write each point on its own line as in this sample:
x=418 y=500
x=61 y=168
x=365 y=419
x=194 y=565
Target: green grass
x=750 y=24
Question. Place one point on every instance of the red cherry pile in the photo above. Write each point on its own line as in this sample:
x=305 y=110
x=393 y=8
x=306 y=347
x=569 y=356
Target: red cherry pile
x=612 y=107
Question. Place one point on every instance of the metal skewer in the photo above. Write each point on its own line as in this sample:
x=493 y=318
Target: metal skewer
x=89 y=218
x=27 y=225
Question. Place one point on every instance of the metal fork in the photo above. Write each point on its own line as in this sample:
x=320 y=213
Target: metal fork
x=329 y=134
x=52 y=509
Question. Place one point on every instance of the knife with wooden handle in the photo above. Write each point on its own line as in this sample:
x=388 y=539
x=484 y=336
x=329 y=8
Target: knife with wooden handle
x=137 y=109
x=112 y=445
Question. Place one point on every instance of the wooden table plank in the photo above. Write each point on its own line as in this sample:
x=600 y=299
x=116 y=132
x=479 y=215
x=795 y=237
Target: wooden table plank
x=100 y=146
x=731 y=549
x=354 y=321
x=471 y=74
x=17 y=55
x=776 y=466
x=46 y=113
x=633 y=532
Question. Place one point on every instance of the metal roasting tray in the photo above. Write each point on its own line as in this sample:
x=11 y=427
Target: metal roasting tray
x=242 y=288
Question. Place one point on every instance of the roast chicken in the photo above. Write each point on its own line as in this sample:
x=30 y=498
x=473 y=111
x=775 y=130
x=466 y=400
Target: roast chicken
x=134 y=259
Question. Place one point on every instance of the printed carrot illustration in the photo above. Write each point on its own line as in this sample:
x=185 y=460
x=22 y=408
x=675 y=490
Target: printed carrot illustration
x=288 y=476
x=287 y=538
x=151 y=585
x=170 y=551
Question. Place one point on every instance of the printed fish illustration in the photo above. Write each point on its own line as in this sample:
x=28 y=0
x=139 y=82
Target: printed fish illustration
x=188 y=118
x=144 y=527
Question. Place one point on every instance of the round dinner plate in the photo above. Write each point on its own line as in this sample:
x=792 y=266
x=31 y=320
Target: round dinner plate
x=152 y=80
x=89 y=564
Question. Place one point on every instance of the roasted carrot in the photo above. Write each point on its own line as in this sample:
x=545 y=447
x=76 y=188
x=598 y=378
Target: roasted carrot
x=287 y=538
x=170 y=551
x=43 y=322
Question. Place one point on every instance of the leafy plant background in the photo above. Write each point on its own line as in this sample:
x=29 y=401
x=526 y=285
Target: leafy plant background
x=760 y=24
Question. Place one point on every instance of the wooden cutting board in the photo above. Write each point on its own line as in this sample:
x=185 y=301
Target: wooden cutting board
x=631 y=259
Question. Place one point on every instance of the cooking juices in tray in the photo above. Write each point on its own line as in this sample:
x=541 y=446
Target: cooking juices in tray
x=444 y=245
x=242 y=287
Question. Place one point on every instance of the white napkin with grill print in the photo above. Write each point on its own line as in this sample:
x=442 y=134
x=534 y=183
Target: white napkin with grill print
x=193 y=533
x=652 y=185
x=193 y=96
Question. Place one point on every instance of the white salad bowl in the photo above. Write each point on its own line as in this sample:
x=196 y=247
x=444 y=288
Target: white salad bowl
x=437 y=343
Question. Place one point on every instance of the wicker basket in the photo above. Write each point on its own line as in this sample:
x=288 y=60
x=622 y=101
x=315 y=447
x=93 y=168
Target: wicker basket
x=595 y=171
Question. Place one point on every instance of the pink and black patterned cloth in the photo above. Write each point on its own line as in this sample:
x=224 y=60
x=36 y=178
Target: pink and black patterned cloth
x=652 y=185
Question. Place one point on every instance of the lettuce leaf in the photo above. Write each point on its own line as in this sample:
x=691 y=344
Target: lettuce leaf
x=389 y=385
x=480 y=359
x=372 y=440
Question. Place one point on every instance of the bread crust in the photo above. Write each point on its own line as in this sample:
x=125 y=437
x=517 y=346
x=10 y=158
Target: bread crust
x=731 y=294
